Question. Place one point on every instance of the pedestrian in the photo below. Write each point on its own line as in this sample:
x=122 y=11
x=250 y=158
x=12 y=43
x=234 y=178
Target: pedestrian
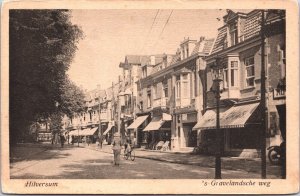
x=117 y=148
x=88 y=140
x=100 y=141
x=72 y=140
x=62 y=140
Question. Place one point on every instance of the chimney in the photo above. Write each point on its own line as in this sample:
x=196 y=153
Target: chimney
x=202 y=38
x=98 y=87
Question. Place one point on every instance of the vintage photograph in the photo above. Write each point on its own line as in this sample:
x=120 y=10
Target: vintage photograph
x=147 y=94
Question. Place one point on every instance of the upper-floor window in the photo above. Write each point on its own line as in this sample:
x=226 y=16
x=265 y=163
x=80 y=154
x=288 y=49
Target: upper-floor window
x=187 y=52
x=234 y=73
x=233 y=34
x=155 y=91
x=165 y=90
x=141 y=105
x=178 y=90
x=225 y=79
x=149 y=104
x=185 y=86
x=144 y=72
x=249 y=69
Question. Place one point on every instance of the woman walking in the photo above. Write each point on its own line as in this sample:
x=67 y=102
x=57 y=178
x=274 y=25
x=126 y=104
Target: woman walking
x=117 y=148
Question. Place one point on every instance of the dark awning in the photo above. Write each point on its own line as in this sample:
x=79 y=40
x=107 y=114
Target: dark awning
x=233 y=117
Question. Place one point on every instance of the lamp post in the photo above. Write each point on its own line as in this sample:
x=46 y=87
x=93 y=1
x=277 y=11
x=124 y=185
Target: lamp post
x=263 y=98
x=78 y=132
x=78 y=135
x=99 y=127
x=217 y=76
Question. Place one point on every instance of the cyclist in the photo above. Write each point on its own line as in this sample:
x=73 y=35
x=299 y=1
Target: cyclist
x=127 y=145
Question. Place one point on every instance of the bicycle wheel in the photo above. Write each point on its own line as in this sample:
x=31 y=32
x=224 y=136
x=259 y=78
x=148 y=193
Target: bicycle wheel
x=132 y=155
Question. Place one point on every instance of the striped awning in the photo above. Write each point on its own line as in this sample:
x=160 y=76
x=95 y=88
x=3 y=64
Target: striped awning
x=155 y=124
x=233 y=117
x=108 y=129
x=88 y=131
x=138 y=121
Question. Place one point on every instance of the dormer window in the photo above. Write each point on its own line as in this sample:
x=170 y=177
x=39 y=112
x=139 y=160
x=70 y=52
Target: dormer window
x=187 y=51
x=144 y=72
x=233 y=34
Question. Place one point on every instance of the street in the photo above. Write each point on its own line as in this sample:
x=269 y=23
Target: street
x=88 y=163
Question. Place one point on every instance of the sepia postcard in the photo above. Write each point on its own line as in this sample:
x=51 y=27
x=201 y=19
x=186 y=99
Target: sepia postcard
x=150 y=97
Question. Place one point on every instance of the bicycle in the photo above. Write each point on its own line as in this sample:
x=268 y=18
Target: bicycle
x=130 y=153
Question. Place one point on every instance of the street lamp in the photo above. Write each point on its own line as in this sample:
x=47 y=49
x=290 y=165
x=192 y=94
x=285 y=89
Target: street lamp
x=217 y=76
x=99 y=127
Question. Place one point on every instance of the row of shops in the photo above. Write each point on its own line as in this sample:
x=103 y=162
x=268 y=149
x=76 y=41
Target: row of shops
x=240 y=125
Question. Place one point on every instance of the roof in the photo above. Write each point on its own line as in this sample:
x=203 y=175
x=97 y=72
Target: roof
x=176 y=58
x=203 y=46
x=135 y=59
x=249 y=27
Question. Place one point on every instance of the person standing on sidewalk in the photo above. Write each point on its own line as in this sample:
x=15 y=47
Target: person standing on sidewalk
x=62 y=140
x=117 y=148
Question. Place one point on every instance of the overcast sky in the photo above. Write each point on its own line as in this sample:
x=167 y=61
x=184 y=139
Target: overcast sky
x=112 y=34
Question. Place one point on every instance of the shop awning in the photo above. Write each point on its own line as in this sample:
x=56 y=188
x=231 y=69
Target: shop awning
x=138 y=121
x=155 y=124
x=108 y=129
x=234 y=117
x=91 y=131
x=73 y=133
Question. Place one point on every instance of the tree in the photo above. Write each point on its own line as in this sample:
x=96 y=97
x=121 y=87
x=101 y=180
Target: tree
x=72 y=99
x=42 y=44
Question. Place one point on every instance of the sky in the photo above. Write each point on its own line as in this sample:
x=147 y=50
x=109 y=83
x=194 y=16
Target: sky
x=110 y=35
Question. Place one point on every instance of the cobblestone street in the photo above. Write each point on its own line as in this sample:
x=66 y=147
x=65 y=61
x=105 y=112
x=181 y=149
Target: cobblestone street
x=74 y=162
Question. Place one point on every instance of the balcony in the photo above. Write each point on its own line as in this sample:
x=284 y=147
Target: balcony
x=279 y=93
x=160 y=102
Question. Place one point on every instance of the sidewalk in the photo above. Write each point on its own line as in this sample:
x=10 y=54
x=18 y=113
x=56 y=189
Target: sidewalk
x=230 y=163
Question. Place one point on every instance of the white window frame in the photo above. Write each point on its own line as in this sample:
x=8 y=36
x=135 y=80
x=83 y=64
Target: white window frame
x=185 y=83
x=248 y=78
x=225 y=78
x=178 y=87
x=235 y=70
x=233 y=31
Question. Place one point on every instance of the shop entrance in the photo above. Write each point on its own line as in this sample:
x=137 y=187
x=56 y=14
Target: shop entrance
x=189 y=138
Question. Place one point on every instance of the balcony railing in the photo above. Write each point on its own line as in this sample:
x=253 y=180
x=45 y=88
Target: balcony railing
x=160 y=102
x=279 y=93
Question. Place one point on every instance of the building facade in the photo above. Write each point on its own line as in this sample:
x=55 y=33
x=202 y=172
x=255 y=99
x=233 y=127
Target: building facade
x=238 y=50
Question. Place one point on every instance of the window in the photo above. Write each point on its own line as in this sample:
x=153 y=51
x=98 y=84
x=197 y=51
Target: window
x=249 y=68
x=149 y=98
x=185 y=86
x=187 y=52
x=165 y=90
x=195 y=84
x=178 y=87
x=141 y=105
x=233 y=34
x=225 y=81
x=234 y=73
x=155 y=95
x=144 y=71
